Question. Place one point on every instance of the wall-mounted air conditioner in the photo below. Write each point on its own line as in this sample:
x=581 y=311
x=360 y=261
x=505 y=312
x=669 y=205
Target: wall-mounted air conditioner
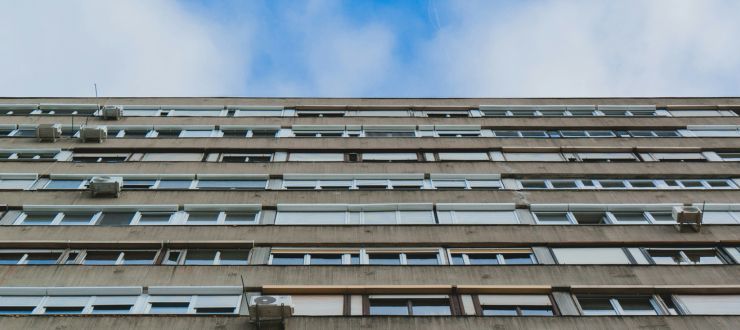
x=93 y=133
x=112 y=112
x=106 y=186
x=687 y=216
x=265 y=308
x=48 y=132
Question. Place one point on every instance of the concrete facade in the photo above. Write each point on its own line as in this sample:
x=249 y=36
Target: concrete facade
x=563 y=283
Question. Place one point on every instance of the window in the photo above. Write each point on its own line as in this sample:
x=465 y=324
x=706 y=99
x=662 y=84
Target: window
x=709 y=304
x=389 y=157
x=318 y=305
x=476 y=215
x=116 y=218
x=246 y=158
x=29 y=257
x=64 y=184
x=315 y=257
x=685 y=256
x=389 y=134
x=533 y=157
x=621 y=305
x=154 y=218
x=39 y=218
x=315 y=157
x=515 y=305
x=492 y=257
x=459 y=156
x=172 y=157
x=117 y=257
x=388 y=305
x=16 y=183
x=231 y=184
x=216 y=257
x=591 y=256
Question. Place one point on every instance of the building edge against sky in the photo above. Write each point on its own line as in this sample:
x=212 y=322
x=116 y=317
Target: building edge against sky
x=384 y=213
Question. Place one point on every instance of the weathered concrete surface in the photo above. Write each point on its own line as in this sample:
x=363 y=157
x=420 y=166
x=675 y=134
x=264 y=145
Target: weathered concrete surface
x=387 y=323
x=257 y=276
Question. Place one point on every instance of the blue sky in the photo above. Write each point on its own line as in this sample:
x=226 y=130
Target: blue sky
x=363 y=48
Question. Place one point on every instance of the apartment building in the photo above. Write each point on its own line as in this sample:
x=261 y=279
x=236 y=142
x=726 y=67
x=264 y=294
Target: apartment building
x=314 y=213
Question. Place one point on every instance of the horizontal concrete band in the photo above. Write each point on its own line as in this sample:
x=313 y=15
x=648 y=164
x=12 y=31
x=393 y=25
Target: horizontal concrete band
x=269 y=199
x=350 y=144
x=599 y=122
x=431 y=235
x=506 y=169
x=255 y=277
x=375 y=322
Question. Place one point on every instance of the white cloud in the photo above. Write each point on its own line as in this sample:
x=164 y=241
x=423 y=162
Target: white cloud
x=587 y=48
x=318 y=48
x=130 y=48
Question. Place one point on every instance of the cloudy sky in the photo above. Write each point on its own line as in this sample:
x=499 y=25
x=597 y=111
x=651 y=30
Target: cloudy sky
x=384 y=48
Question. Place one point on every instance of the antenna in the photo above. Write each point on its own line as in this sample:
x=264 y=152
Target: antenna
x=95 y=88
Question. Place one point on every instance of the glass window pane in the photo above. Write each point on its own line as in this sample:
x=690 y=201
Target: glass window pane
x=42 y=258
x=115 y=218
x=155 y=218
x=665 y=257
x=564 y=184
x=111 y=309
x=39 y=218
x=287 y=259
x=430 y=307
x=209 y=218
x=20 y=310
x=719 y=183
x=630 y=217
x=703 y=257
x=517 y=258
x=10 y=258
x=612 y=184
x=326 y=259
x=590 y=218
x=174 y=184
x=231 y=184
x=421 y=259
x=384 y=258
x=642 y=184
x=482 y=259
x=101 y=257
x=533 y=184
x=637 y=306
x=596 y=306
x=234 y=257
x=239 y=217
x=139 y=257
x=536 y=311
x=168 y=308
x=214 y=310
x=63 y=310
x=499 y=310
x=200 y=257
x=138 y=184
x=457 y=259
x=389 y=307
x=77 y=218
x=379 y=217
x=552 y=217
x=64 y=184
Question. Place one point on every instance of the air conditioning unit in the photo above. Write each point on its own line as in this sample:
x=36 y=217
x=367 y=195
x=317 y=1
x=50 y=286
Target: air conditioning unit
x=48 y=132
x=93 y=134
x=265 y=308
x=109 y=186
x=687 y=216
x=112 y=112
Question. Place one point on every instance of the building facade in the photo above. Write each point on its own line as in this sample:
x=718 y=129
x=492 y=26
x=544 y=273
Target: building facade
x=369 y=213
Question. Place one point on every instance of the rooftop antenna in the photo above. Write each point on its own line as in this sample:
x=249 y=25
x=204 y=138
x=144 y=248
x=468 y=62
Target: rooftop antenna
x=95 y=88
